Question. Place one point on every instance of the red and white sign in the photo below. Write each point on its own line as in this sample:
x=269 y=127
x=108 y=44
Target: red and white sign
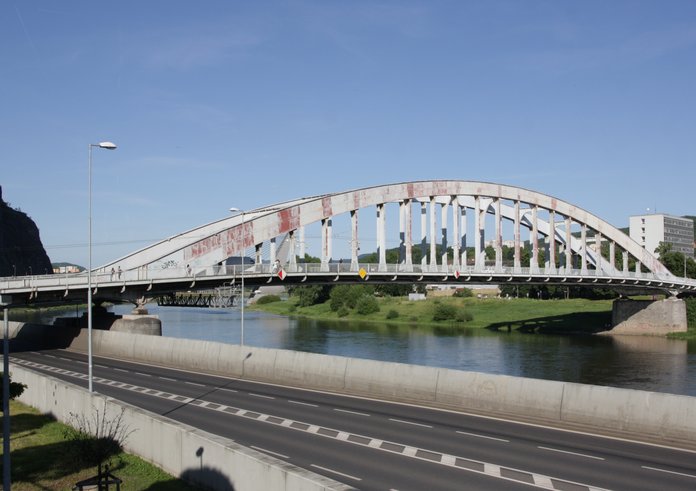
x=281 y=274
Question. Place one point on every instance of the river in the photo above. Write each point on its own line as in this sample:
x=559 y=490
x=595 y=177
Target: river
x=636 y=362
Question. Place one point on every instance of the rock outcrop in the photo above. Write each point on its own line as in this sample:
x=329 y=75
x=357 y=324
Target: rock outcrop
x=21 y=250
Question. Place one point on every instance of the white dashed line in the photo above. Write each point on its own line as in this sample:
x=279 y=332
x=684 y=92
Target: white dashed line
x=572 y=453
x=263 y=450
x=121 y=370
x=194 y=383
x=167 y=378
x=483 y=436
x=302 y=403
x=335 y=472
x=228 y=390
x=668 y=472
x=409 y=423
x=351 y=412
x=261 y=396
x=462 y=463
x=143 y=374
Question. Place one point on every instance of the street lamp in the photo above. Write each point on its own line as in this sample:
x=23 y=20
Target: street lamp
x=241 y=254
x=108 y=146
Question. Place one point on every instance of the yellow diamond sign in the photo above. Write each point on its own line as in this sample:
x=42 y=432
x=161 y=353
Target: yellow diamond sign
x=362 y=273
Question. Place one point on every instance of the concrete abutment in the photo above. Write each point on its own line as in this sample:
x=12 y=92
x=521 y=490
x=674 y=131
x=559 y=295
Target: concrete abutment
x=648 y=317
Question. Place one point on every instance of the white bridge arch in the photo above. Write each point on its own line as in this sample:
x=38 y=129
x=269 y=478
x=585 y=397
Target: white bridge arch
x=276 y=233
x=450 y=218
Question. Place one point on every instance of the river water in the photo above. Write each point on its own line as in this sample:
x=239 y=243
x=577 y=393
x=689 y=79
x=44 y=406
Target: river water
x=636 y=362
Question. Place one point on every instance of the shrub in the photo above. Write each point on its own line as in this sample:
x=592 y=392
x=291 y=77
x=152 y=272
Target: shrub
x=338 y=296
x=691 y=312
x=356 y=292
x=292 y=308
x=463 y=293
x=444 y=312
x=311 y=295
x=392 y=314
x=464 y=315
x=268 y=299
x=367 y=304
x=343 y=311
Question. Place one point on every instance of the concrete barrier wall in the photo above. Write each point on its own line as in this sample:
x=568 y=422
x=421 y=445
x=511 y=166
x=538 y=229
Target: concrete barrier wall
x=198 y=457
x=667 y=418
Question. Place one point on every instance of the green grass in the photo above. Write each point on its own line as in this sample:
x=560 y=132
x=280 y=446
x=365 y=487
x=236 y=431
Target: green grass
x=492 y=313
x=42 y=459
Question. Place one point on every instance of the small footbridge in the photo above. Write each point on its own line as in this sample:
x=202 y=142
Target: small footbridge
x=426 y=231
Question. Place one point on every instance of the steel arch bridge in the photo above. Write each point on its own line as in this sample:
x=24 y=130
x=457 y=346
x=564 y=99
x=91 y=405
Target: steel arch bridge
x=433 y=217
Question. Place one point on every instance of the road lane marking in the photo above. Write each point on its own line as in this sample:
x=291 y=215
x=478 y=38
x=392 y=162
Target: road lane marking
x=261 y=396
x=263 y=450
x=483 y=436
x=433 y=457
x=143 y=374
x=572 y=453
x=194 y=383
x=121 y=370
x=668 y=472
x=302 y=403
x=167 y=378
x=351 y=412
x=228 y=390
x=409 y=423
x=335 y=472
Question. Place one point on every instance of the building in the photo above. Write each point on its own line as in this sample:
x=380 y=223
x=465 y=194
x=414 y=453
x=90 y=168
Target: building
x=650 y=230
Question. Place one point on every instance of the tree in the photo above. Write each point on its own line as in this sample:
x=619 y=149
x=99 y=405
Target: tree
x=675 y=261
x=16 y=388
x=311 y=295
x=97 y=438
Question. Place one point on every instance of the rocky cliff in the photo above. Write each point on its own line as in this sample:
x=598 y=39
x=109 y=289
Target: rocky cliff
x=21 y=251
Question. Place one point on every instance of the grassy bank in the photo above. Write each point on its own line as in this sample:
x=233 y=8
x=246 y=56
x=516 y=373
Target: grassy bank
x=492 y=313
x=42 y=458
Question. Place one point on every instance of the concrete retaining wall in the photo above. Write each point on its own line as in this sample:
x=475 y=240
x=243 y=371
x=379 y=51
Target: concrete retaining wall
x=198 y=457
x=666 y=418
x=651 y=416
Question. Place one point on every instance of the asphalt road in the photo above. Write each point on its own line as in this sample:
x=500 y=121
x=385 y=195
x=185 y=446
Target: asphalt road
x=375 y=445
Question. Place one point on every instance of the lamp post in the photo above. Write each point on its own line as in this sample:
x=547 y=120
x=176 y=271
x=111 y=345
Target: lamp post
x=241 y=298
x=109 y=146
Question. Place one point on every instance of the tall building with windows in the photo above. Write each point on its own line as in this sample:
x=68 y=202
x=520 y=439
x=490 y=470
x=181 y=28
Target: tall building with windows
x=650 y=230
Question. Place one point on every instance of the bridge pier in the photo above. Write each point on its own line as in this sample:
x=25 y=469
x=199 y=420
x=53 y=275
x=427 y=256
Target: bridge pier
x=648 y=317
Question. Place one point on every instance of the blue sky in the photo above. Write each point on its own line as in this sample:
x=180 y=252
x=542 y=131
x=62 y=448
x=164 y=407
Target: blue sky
x=221 y=104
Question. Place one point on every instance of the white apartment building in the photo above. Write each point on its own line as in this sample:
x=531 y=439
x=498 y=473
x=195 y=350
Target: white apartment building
x=650 y=230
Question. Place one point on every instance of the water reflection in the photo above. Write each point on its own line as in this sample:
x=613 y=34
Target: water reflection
x=647 y=363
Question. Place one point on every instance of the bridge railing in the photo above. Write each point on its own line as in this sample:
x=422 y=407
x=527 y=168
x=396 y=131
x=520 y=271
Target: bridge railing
x=500 y=273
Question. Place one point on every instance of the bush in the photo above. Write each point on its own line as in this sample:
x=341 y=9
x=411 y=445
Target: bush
x=392 y=314
x=444 y=312
x=691 y=312
x=338 y=296
x=463 y=293
x=292 y=308
x=268 y=299
x=356 y=292
x=464 y=315
x=343 y=311
x=367 y=304
x=311 y=295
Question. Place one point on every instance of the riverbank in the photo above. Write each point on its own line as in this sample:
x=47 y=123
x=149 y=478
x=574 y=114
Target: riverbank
x=572 y=315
